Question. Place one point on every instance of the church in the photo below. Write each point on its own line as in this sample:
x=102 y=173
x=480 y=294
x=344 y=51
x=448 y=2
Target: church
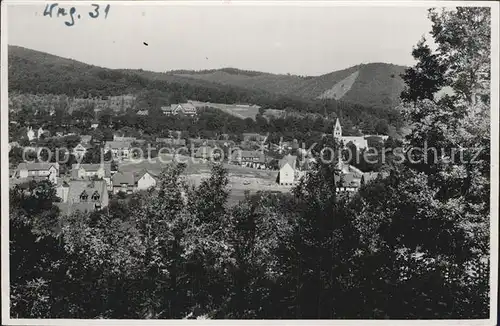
x=359 y=141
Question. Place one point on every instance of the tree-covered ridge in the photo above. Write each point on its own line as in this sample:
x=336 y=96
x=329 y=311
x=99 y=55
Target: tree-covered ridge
x=378 y=85
x=40 y=74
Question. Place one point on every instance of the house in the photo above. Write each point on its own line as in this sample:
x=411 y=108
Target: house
x=129 y=182
x=254 y=159
x=62 y=190
x=123 y=138
x=286 y=174
x=143 y=112
x=48 y=171
x=253 y=137
x=171 y=141
x=183 y=108
x=174 y=134
x=13 y=144
x=382 y=137
x=94 y=126
x=207 y=153
x=197 y=142
x=347 y=182
x=347 y=168
x=80 y=150
x=30 y=134
x=359 y=141
x=82 y=195
x=281 y=146
x=40 y=132
x=87 y=171
x=85 y=139
x=119 y=149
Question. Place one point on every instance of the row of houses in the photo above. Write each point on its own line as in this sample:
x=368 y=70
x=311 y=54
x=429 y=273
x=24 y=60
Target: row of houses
x=246 y=158
x=87 y=186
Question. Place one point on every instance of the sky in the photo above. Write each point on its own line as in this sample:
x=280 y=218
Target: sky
x=302 y=40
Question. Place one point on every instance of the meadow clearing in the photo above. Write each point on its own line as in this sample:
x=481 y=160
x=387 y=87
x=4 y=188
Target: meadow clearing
x=241 y=111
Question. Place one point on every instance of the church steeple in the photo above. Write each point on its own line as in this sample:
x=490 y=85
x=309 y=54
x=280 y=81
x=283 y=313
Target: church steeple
x=337 y=135
x=337 y=130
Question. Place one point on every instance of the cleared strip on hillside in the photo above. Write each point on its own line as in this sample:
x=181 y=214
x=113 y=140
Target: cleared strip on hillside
x=341 y=88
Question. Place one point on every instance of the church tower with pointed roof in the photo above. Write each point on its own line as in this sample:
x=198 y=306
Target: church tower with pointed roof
x=337 y=130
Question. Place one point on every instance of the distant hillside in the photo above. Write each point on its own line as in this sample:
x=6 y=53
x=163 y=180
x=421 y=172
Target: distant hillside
x=375 y=84
x=34 y=72
x=341 y=93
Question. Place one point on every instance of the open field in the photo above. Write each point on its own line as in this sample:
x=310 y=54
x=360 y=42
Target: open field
x=241 y=178
x=241 y=111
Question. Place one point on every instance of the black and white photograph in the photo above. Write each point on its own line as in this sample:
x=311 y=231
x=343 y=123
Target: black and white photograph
x=228 y=160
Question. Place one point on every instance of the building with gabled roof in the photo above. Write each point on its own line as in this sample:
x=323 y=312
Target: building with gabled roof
x=129 y=182
x=81 y=149
x=81 y=171
x=286 y=174
x=85 y=139
x=347 y=182
x=82 y=195
x=171 y=141
x=39 y=171
x=182 y=108
x=119 y=149
x=255 y=159
x=207 y=153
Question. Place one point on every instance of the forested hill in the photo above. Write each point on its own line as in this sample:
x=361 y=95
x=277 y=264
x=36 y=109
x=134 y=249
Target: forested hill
x=33 y=71
x=41 y=73
x=374 y=84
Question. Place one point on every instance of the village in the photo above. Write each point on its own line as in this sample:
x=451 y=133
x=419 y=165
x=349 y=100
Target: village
x=128 y=168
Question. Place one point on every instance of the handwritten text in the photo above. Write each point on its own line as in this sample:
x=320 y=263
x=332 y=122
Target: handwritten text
x=54 y=10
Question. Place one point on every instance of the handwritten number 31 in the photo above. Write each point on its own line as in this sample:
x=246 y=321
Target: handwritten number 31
x=95 y=14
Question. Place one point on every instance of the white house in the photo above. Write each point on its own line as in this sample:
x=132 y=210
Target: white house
x=87 y=171
x=129 y=182
x=30 y=134
x=39 y=132
x=145 y=180
x=80 y=150
x=119 y=149
x=286 y=175
x=359 y=141
x=48 y=171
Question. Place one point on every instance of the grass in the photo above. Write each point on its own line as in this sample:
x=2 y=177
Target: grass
x=237 y=110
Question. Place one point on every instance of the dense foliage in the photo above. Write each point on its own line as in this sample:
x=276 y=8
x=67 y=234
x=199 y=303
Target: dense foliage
x=377 y=85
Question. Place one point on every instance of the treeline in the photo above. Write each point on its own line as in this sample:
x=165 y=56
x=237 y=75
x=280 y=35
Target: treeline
x=209 y=123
